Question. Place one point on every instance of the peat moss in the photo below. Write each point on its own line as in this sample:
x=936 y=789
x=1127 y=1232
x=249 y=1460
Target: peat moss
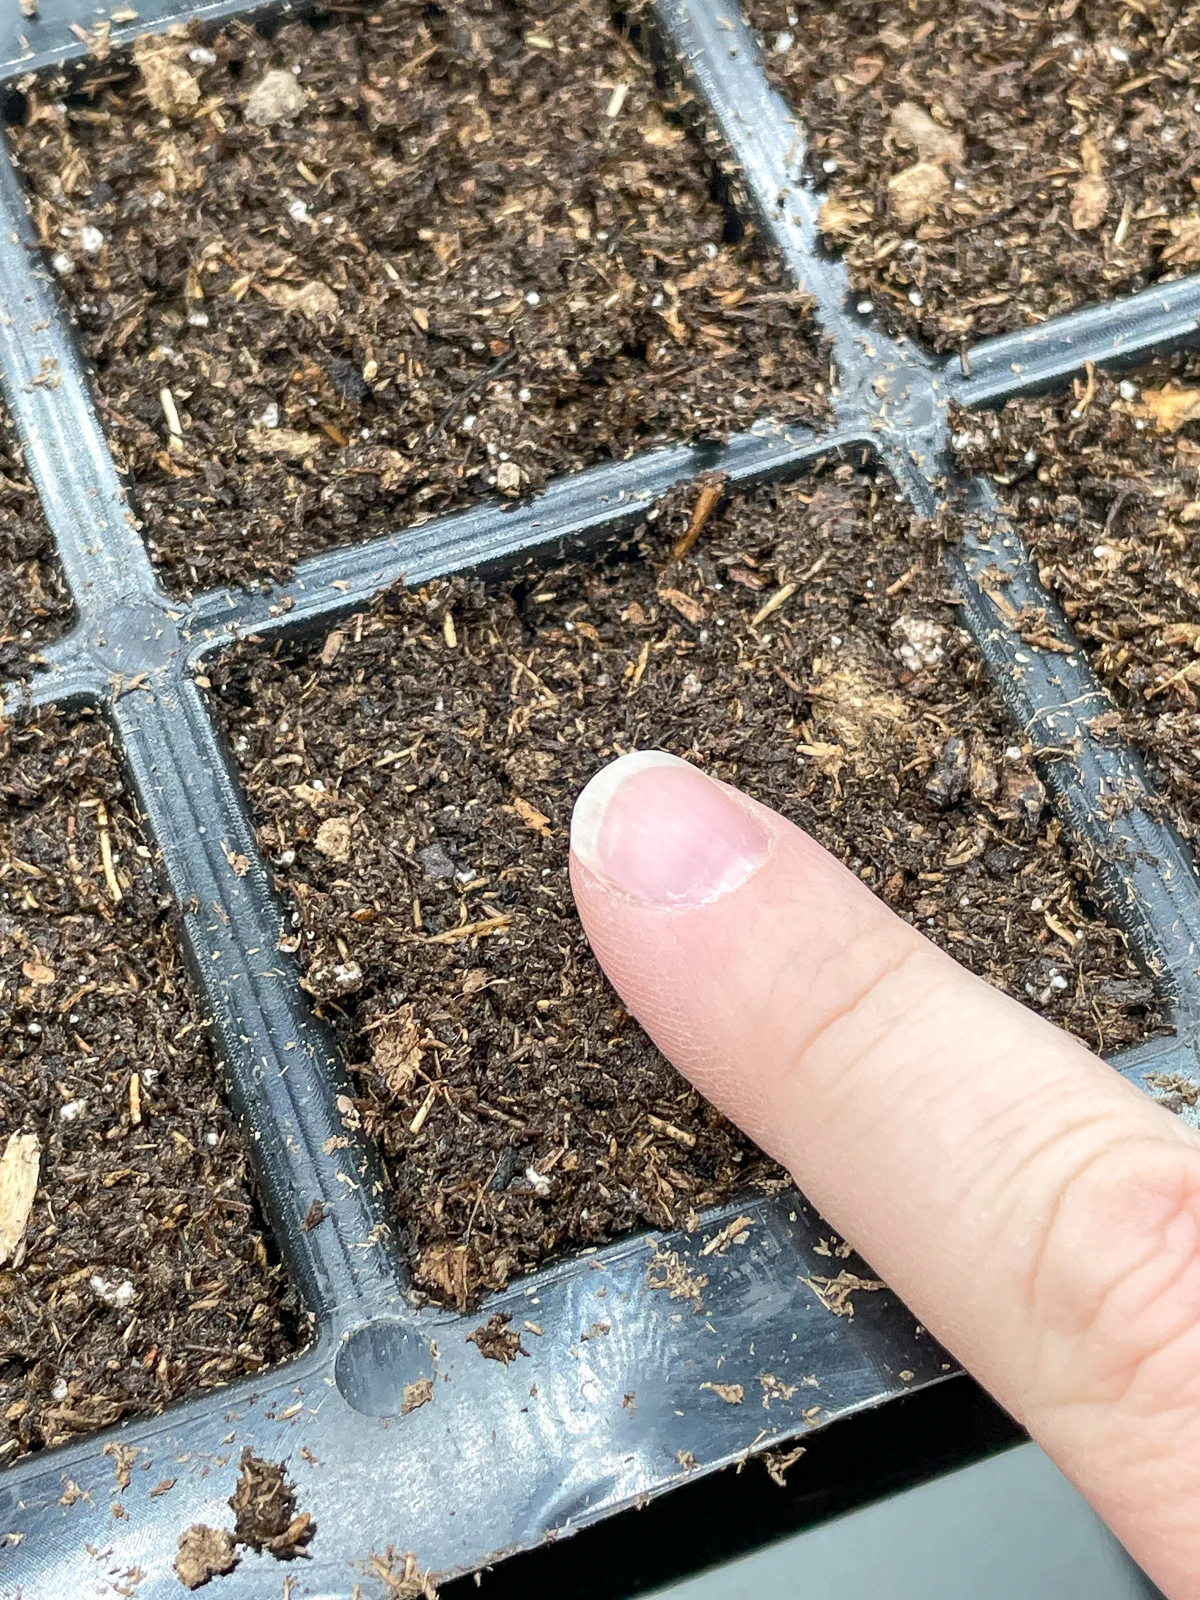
x=143 y=1275
x=1058 y=144
x=34 y=603
x=364 y=270
x=413 y=780
x=1105 y=484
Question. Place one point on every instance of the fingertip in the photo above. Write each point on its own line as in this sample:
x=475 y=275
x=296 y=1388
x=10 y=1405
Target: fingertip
x=662 y=833
x=591 y=806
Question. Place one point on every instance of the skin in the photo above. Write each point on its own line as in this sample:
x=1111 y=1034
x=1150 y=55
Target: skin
x=1035 y=1211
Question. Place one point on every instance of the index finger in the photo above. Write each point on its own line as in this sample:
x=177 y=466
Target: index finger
x=1038 y=1213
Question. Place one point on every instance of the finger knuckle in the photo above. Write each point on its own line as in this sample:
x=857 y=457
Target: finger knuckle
x=1114 y=1276
x=842 y=1014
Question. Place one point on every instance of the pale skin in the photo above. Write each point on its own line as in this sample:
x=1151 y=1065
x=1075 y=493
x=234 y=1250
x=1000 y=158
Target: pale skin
x=1037 y=1213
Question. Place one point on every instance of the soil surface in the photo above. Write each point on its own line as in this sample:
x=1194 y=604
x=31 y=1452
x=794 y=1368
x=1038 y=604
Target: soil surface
x=1105 y=485
x=142 y=1276
x=413 y=781
x=990 y=165
x=34 y=603
x=369 y=270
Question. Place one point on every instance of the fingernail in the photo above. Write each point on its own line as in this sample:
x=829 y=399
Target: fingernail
x=655 y=828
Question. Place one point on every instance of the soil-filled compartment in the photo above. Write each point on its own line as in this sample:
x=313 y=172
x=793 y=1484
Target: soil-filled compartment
x=140 y=1274
x=1104 y=482
x=412 y=778
x=343 y=275
x=34 y=602
x=988 y=166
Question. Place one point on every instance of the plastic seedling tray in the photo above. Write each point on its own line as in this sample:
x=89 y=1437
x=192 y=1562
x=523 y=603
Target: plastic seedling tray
x=507 y=1457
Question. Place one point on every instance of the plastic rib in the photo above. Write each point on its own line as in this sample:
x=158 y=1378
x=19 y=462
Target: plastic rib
x=1158 y=1067
x=1127 y=330
x=593 y=504
x=487 y=1467
x=69 y=684
x=1137 y=862
x=717 y=51
x=283 y=1073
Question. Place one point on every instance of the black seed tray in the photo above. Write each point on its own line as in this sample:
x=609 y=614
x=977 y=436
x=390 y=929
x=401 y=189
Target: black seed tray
x=507 y=1458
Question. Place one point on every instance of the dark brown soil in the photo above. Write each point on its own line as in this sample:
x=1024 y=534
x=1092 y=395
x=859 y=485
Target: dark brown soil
x=1062 y=137
x=1109 y=500
x=34 y=603
x=413 y=782
x=143 y=1275
x=478 y=250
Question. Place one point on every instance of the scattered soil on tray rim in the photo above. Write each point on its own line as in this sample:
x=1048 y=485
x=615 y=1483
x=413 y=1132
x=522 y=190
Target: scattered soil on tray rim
x=393 y=263
x=413 y=780
x=989 y=166
x=34 y=602
x=1105 y=484
x=142 y=1274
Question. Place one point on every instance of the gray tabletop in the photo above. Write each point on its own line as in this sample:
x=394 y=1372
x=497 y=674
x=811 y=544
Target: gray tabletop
x=1010 y=1525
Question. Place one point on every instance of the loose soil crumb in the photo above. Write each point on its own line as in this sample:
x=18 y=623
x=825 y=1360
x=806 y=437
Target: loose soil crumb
x=264 y=1508
x=469 y=248
x=495 y=1342
x=779 y=1462
x=774 y=1388
x=666 y=1271
x=988 y=166
x=204 y=1553
x=34 y=603
x=1173 y=1091
x=519 y=1107
x=142 y=1275
x=732 y=1393
x=122 y=1456
x=733 y=1233
x=1105 y=486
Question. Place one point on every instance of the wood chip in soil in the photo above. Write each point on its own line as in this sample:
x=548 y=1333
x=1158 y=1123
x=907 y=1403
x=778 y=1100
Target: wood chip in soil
x=34 y=603
x=470 y=248
x=141 y=1275
x=519 y=1109
x=1105 y=484
x=987 y=166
